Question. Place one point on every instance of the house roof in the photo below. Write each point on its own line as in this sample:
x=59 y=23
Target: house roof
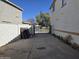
x=12 y=4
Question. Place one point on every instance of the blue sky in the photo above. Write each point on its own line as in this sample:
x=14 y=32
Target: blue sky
x=32 y=7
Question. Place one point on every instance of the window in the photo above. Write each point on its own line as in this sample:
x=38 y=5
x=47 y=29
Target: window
x=54 y=7
x=63 y=3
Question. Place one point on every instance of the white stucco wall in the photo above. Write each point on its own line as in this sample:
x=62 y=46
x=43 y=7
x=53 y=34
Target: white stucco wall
x=9 y=13
x=8 y=32
x=26 y=26
x=67 y=18
x=10 y=21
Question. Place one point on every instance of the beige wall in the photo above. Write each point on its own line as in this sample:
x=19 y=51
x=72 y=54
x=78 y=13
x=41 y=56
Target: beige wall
x=67 y=18
x=9 y=14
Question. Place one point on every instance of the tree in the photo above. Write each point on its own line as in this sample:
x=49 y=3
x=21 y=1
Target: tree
x=43 y=19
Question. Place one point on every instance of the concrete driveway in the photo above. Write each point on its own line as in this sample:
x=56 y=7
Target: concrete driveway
x=46 y=46
x=17 y=50
x=41 y=46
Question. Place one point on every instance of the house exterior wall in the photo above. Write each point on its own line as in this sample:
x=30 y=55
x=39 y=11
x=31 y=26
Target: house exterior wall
x=8 y=32
x=66 y=19
x=9 y=14
x=10 y=21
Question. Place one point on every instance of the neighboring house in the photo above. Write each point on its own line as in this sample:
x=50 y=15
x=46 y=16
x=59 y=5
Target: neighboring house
x=10 y=21
x=65 y=18
x=27 y=22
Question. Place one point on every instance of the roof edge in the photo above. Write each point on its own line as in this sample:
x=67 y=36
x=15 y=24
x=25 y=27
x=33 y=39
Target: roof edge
x=12 y=4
